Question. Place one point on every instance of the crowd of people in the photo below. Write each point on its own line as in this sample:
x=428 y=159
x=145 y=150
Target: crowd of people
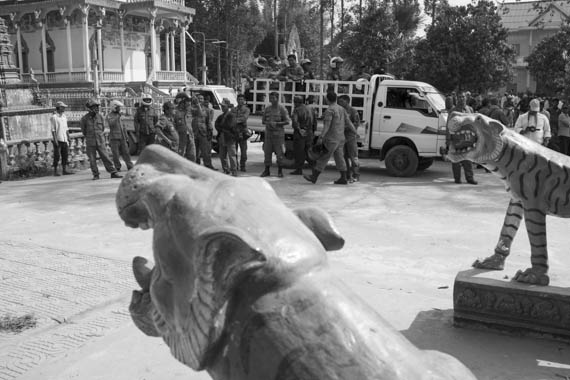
x=543 y=120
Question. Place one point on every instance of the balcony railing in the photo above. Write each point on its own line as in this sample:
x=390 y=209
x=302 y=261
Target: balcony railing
x=113 y=76
x=106 y=76
x=175 y=2
x=171 y=76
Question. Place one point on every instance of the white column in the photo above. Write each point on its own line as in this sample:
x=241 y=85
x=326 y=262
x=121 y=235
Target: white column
x=122 y=32
x=19 y=42
x=183 y=49
x=172 y=56
x=69 y=55
x=153 y=53
x=99 y=53
x=44 y=51
x=86 y=54
x=167 y=50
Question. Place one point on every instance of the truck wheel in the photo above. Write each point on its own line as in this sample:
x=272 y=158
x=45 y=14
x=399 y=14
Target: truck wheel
x=424 y=163
x=401 y=161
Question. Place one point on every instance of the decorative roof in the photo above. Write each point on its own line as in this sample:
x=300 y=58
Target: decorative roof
x=534 y=14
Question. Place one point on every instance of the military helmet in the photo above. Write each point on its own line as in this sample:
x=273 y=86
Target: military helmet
x=146 y=99
x=114 y=104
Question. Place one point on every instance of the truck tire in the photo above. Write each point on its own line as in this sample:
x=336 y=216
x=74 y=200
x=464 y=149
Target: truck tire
x=424 y=163
x=401 y=161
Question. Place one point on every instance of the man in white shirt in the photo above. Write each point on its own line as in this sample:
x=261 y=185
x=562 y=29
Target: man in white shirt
x=60 y=134
x=534 y=124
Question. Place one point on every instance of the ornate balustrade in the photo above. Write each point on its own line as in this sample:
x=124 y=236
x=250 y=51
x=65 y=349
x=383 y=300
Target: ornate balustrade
x=171 y=76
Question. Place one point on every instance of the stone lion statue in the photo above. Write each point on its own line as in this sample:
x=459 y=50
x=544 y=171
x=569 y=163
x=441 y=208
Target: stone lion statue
x=241 y=286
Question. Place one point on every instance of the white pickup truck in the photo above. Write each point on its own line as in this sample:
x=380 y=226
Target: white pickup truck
x=403 y=122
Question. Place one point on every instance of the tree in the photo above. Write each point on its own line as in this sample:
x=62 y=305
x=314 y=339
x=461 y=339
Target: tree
x=550 y=61
x=384 y=36
x=466 y=48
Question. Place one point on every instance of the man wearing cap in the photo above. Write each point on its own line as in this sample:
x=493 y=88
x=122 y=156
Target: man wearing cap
x=183 y=125
x=202 y=130
x=534 y=124
x=60 y=134
x=118 y=136
x=304 y=125
x=93 y=127
x=335 y=121
x=275 y=118
x=164 y=130
x=227 y=137
x=145 y=119
x=242 y=114
x=306 y=65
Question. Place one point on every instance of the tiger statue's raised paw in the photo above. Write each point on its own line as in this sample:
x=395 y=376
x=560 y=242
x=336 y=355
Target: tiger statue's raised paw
x=530 y=276
x=494 y=262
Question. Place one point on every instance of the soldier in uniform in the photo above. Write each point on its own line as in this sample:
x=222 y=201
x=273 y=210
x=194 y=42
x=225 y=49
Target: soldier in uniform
x=145 y=119
x=118 y=136
x=275 y=118
x=92 y=127
x=304 y=124
x=242 y=114
x=183 y=125
x=351 y=143
x=227 y=137
x=202 y=130
x=164 y=130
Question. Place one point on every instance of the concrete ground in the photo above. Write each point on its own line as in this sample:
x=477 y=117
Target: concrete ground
x=65 y=257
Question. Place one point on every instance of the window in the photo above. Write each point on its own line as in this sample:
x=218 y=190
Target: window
x=517 y=48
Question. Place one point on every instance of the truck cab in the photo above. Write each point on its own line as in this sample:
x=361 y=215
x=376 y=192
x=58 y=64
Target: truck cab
x=408 y=125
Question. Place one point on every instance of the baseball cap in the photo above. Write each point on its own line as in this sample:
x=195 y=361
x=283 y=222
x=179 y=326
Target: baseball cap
x=60 y=104
x=534 y=105
x=92 y=102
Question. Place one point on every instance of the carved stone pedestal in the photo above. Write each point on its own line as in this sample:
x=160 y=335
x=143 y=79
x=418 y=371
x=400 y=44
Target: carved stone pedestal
x=486 y=298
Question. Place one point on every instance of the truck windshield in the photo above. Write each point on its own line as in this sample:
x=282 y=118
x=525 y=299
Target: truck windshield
x=227 y=93
x=436 y=99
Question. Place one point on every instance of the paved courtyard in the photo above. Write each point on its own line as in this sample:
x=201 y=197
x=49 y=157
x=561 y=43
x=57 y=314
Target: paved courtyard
x=65 y=257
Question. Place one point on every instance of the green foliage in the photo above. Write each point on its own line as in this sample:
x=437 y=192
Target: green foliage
x=466 y=48
x=548 y=63
x=384 y=36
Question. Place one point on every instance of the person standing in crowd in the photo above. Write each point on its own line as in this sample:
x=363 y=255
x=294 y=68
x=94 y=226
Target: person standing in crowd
x=335 y=121
x=227 y=137
x=564 y=130
x=307 y=67
x=202 y=130
x=118 y=136
x=351 y=140
x=466 y=164
x=293 y=72
x=241 y=115
x=93 y=127
x=145 y=119
x=164 y=130
x=60 y=133
x=509 y=112
x=554 y=115
x=534 y=124
x=304 y=125
x=183 y=125
x=335 y=65
x=495 y=112
x=275 y=118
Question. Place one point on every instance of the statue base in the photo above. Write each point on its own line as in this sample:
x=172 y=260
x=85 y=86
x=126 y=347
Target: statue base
x=486 y=298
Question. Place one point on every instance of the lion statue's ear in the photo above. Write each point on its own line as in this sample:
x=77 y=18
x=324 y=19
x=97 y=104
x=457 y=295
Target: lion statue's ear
x=226 y=255
x=496 y=127
x=318 y=221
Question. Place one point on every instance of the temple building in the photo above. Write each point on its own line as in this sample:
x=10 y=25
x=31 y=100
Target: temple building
x=528 y=23
x=99 y=42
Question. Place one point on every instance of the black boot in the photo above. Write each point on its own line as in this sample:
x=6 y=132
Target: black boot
x=342 y=180
x=265 y=172
x=66 y=171
x=55 y=173
x=280 y=172
x=313 y=177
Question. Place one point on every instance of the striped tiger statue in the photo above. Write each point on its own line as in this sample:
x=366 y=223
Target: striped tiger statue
x=537 y=178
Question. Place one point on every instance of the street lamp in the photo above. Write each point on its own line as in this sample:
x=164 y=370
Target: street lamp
x=219 y=59
x=204 y=67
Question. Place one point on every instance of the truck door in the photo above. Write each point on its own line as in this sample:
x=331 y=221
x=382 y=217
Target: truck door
x=406 y=113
